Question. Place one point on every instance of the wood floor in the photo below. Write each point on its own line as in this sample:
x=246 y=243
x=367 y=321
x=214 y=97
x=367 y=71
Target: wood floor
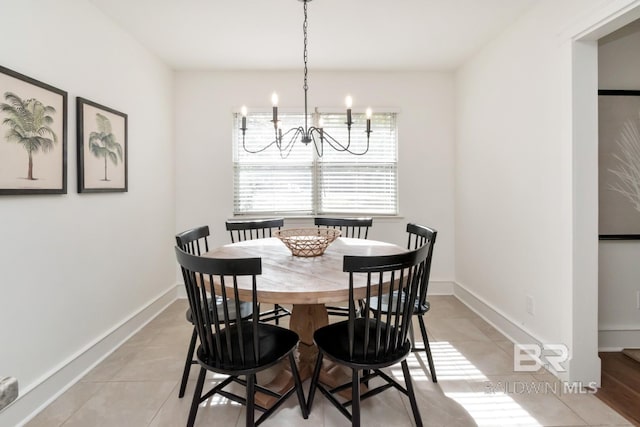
x=621 y=385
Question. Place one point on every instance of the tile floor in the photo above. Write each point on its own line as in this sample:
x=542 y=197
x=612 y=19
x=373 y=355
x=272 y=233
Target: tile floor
x=138 y=384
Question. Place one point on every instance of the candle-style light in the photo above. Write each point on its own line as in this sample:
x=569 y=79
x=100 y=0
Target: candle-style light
x=274 y=102
x=243 y=111
x=368 y=114
x=321 y=128
x=349 y=103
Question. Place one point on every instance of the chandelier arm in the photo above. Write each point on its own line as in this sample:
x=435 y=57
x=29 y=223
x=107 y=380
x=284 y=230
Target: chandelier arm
x=319 y=133
x=260 y=150
x=337 y=145
x=334 y=143
x=286 y=150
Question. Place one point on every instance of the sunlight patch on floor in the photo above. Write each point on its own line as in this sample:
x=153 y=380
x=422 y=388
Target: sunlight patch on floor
x=217 y=400
x=487 y=407
x=450 y=365
x=494 y=409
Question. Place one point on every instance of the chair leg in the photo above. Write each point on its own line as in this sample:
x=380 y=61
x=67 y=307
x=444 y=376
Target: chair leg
x=196 y=397
x=412 y=337
x=427 y=348
x=188 y=363
x=251 y=394
x=360 y=308
x=355 y=398
x=276 y=308
x=412 y=396
x=298 y=385
x=314 y=381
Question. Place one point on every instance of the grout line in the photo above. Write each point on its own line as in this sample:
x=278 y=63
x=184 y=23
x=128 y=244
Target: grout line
x=173 y=390
x=81 y=405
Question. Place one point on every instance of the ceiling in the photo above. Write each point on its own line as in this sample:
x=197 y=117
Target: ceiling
x=343 y=34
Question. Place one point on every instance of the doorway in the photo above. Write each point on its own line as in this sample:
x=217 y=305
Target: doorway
x=585 y=364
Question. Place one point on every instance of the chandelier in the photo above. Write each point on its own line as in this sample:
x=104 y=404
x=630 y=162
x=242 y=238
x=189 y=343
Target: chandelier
x=285 y=140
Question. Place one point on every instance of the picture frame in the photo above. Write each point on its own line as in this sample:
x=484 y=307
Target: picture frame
x=619 y=164
x=33 y=136
x=102 y=148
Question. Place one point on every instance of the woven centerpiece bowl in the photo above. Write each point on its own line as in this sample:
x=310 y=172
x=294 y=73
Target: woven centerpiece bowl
x=307 y=242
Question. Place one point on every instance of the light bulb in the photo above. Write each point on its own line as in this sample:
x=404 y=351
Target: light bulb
x=368 y=113
x=348 y=101
x=243 y=111
x=274 y=99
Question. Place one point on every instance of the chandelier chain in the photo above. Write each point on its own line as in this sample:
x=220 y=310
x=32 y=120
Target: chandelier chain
x=305 y=56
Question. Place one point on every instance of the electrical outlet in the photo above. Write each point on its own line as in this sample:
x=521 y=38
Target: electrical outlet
x=529 y=304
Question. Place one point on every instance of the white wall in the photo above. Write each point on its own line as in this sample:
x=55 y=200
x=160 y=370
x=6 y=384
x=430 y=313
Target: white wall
x=75 y=267
x=205 y=102
x=525 y=226
x=619 y=270
x=512 y=221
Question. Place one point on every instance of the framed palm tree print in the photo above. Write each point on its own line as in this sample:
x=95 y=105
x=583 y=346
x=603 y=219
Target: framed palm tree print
x=102 y=148
x=33 y=136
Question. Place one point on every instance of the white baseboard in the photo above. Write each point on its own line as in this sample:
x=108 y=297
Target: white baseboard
x=618 y=338
x=181 y=292
x=45 y=390
x=499 y=320
x=610 y=349
x=440 y=287
x=494 y=316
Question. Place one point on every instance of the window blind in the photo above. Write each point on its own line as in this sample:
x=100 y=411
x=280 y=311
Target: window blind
x=304 y=183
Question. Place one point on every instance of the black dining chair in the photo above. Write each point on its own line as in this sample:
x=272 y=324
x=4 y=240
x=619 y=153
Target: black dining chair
x=370 y=343
x=418 y=236
x=250 y=229
x=357 y=228
x=195 y=242
x=230 y=347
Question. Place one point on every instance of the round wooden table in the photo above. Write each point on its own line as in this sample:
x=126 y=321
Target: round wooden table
x=307 y=283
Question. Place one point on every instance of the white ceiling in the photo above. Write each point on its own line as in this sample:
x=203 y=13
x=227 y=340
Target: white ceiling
x=343 y=34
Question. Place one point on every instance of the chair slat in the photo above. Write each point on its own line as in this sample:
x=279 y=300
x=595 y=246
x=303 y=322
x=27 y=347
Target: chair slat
x=250 y=229
x=350 y=227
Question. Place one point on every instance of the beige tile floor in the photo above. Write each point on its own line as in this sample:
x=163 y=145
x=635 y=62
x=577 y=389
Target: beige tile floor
x=138 y=384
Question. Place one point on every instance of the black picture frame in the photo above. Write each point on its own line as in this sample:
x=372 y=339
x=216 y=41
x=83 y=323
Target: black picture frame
x=33 y=136
x=103 y=161
x=618 y=167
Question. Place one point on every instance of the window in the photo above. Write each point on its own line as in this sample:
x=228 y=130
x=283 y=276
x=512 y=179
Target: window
x=304 y=183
